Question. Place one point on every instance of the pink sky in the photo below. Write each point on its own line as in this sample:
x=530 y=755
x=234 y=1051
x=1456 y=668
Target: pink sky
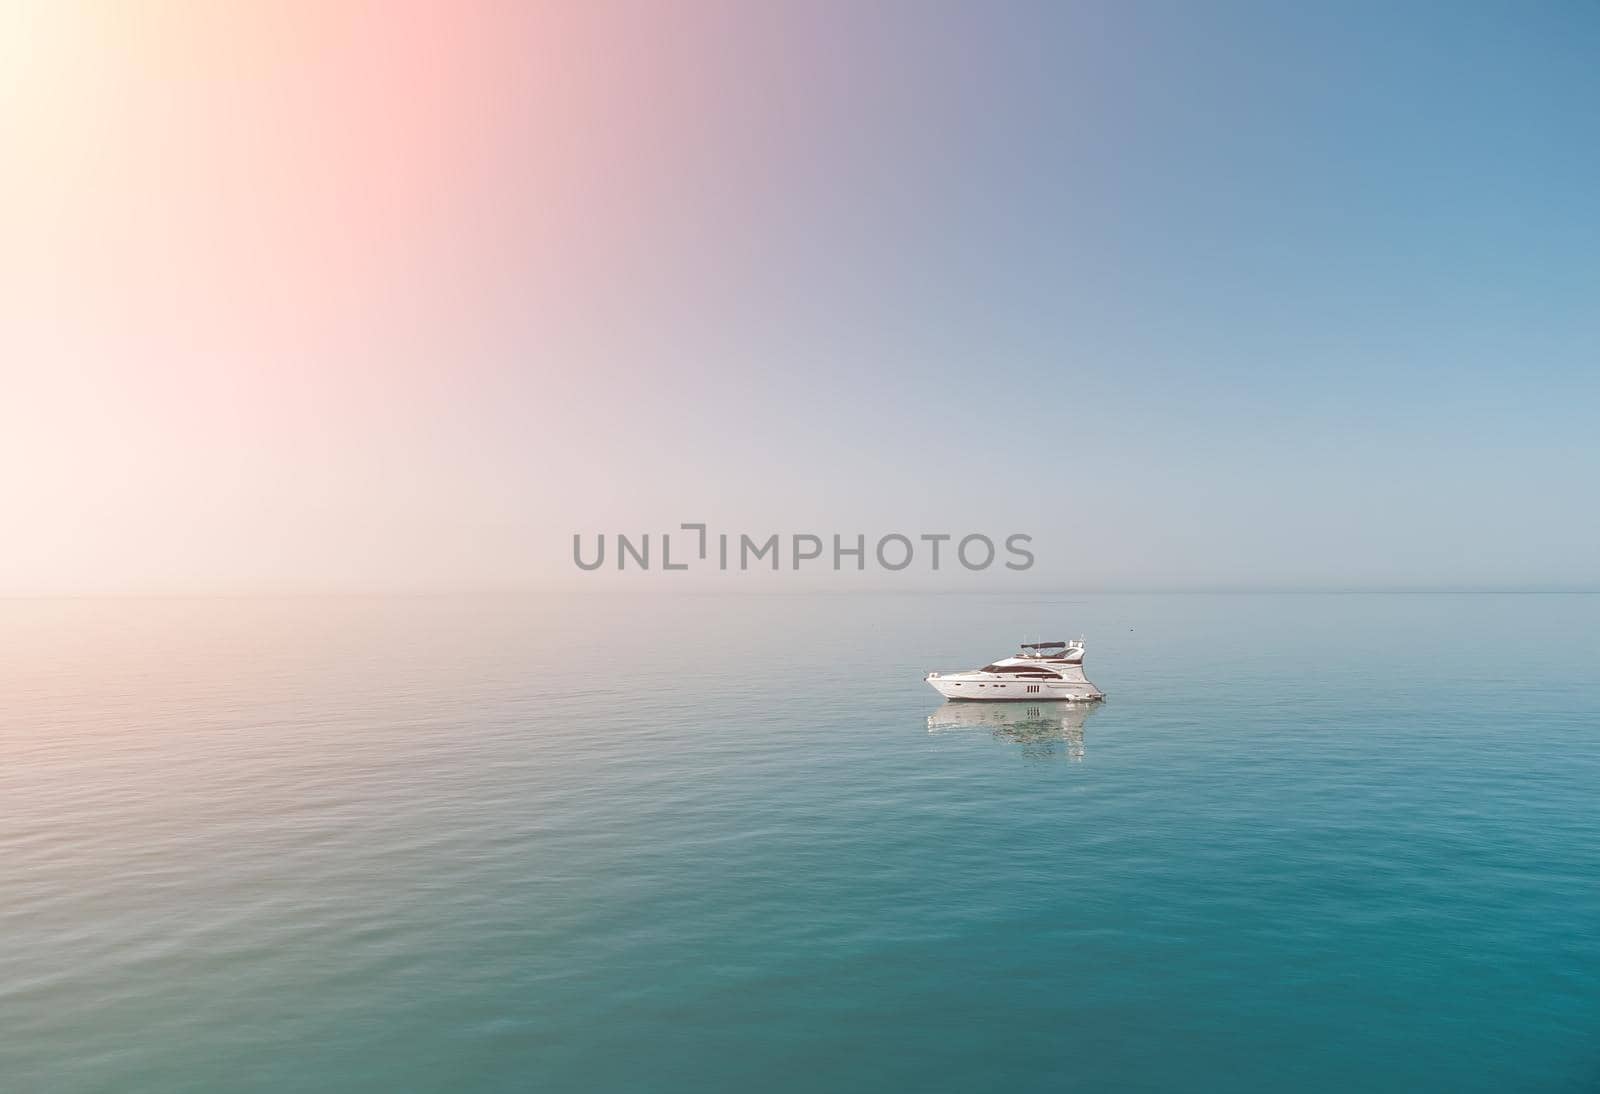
x=258 y=257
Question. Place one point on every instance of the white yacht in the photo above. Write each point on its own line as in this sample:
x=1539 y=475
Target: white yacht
x=1041 y=671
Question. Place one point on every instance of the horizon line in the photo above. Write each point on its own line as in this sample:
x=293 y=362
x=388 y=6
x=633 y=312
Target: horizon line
x=703 y=590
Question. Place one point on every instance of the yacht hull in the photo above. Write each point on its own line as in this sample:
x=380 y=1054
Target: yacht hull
x=984 y=688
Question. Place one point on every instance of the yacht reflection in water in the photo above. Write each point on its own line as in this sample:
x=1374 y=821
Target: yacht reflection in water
x=1042 y=729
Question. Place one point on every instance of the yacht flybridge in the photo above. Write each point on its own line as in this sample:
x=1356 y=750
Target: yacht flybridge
x=1041 y=671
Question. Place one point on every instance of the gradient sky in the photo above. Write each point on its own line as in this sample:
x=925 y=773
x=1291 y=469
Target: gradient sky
x=308 y=297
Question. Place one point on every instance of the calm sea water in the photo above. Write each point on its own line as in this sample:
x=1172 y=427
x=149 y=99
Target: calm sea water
x=728 y=843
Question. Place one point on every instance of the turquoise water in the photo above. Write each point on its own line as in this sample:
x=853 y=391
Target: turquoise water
x=711 y=843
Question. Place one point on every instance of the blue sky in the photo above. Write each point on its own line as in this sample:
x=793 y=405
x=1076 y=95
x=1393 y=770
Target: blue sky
x=1270 y=295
